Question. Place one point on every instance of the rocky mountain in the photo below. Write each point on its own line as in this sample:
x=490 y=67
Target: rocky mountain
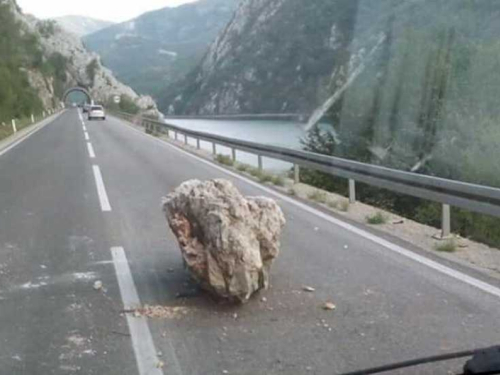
x=80 y=25
x=274 y=56
x=160 y=47
x=292 y=55
x=44 y=60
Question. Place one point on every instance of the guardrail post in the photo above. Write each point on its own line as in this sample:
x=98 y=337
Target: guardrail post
x=14 y=127
x=214 y=149
x=198 y=143
x=32 y=119
x=261 y=166
x=446 y=222
x=352 y=191
x=233 y=154
x=296 y=174
x=185 y=139
x=175 y=136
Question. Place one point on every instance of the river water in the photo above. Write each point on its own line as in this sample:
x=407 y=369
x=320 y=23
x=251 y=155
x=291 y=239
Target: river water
x=277 y=133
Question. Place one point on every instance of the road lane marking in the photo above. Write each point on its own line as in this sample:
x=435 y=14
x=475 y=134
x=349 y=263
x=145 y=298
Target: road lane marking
x=84 y=128
x=35 y=129
x=87 y=136
x=91 y=150
x=101 y=189
x=142 y=341
x=485 y=287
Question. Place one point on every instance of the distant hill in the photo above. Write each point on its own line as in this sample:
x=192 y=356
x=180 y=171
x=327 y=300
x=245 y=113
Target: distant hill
x=160 y=47
x=82 y=26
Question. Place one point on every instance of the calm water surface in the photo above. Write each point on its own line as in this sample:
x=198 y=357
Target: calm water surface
x=276 y=133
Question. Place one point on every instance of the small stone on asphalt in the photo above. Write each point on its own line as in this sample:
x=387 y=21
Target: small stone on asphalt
x=98 y=285
x=309 y=289
x=329 y=306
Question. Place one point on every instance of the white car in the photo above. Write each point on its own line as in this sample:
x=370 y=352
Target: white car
x=96 y=112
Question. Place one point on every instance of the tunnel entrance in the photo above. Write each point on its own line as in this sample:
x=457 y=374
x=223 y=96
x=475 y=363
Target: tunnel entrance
x=77 y=89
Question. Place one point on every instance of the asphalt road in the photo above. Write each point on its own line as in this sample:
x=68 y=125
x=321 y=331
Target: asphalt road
x=58 y=226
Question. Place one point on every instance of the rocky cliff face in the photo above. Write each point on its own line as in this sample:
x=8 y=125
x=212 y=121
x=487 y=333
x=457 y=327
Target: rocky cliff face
x=71 y=64
x=274 y=56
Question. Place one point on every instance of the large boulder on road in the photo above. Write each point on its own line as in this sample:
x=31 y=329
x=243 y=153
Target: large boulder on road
x=228 y=241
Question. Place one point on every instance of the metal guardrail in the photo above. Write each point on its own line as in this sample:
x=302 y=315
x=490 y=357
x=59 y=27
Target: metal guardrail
x=265 y=116
x=477 y=198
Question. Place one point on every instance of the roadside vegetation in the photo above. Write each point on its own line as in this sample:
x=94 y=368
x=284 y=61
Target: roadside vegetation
x=377 y=219
x=446 y=247
x=224 y=160
x=261 y=176
x=91 y=70
x=126 y=105
x=20 y=52
x=318 y=196
x=416 y=115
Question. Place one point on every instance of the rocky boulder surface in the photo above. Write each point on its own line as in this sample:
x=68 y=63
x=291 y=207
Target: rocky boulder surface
x=228 y=241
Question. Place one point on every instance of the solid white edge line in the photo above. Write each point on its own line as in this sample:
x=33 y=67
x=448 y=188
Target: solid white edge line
x=142 y=340
x=91 y=150
x=87 y=136
x=485 y=287
x=40 y=126
x=101 y=189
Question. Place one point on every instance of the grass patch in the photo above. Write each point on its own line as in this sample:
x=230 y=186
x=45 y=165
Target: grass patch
x=278 y=181
x=262 y=176
x=341 y=205
x=446 y=247
x=317 y=196
x=243 y=167
x=265 y=178
x=255 y=172
x=224 y=160
x=6 y=127
x=377 y=219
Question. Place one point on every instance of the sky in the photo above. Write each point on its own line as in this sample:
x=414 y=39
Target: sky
x=109 y=10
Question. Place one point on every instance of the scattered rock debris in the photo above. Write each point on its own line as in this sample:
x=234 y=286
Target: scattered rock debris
x=329 y=306
x=309 y=289
x=98 y=285
x=159 y=312
x=160 y=364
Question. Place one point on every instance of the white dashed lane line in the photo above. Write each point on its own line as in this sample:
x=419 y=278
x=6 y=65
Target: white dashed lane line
x=87 y=138
x=142 y=341
x=101 y=189
x=91 y=150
